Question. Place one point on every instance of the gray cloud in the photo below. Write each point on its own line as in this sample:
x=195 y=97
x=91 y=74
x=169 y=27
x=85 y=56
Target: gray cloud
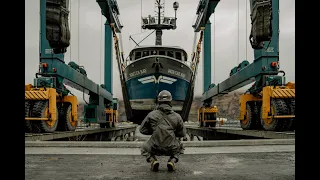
x=87 y=50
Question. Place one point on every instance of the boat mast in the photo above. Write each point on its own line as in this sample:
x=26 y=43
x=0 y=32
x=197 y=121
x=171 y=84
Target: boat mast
x=167 y=22
x=158 y=30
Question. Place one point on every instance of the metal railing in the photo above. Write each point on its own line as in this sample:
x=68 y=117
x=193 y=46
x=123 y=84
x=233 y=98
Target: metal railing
x=152 y=20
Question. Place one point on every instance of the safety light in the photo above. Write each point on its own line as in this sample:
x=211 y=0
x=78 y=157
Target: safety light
x=44 y=65
x=274 y=64
x=54 y=70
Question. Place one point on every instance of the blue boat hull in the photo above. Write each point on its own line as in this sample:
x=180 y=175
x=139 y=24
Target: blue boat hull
x=145 y=79
x=137 y=89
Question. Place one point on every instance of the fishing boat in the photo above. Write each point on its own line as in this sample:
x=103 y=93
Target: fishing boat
x=151 y=69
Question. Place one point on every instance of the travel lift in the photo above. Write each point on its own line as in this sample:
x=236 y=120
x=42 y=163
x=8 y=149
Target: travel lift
x=270 y=103
x=49 y=105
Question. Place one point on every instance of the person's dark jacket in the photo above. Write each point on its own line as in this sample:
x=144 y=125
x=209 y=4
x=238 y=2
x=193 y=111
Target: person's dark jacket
x=165 y=126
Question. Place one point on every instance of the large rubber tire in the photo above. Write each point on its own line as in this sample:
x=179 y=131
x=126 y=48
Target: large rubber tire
x=292 y=109
x=279 y=107
x=252 y=119
x=65 y=118
x=40 y=110
x=27 y=123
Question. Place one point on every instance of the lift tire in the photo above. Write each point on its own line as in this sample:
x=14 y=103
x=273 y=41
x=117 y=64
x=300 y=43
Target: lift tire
x=280 y=108
x=257 y=115
x=292 y=109
x=39 y=110
x=27 y=123
x=252 y=117
x=68 y=124
x=61 y=117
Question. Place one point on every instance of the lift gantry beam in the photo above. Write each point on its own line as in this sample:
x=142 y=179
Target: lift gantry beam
x=110 y=9
x=204 y=10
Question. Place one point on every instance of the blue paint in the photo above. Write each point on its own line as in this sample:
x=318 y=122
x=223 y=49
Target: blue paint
x=108 y=57
x=207 y=56
x=137 y=90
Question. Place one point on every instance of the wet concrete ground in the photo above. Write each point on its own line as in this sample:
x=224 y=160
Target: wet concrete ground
x=265 y=162
x=232 y=165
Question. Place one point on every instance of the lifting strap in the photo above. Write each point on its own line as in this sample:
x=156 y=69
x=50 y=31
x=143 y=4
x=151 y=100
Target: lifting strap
x=261 y=20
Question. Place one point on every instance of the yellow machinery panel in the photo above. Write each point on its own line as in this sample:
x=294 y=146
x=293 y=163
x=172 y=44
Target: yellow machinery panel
x=41 y=94
x=270 y=92
x=206 y=110
x=207 y=116
x=47 y=111
x=267 y=108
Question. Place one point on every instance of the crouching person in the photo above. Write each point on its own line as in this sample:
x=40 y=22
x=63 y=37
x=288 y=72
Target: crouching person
x=166 y=127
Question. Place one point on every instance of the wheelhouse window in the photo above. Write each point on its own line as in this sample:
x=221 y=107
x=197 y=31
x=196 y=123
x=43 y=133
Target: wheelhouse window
x=145 y=53
x=170 y=53
x=163 y=53
x=178 y=55
x=137 y=55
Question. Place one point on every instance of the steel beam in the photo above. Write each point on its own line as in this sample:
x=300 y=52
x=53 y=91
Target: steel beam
x=204 y=10
x=110 y=9
x=207 y=56
x=108 y=57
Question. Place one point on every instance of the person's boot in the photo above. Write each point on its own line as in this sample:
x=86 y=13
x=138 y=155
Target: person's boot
x=171 y=165
x=154 y=164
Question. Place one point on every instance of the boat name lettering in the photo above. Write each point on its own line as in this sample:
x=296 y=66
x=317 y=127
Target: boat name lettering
x=135 y=73
x=177 y=73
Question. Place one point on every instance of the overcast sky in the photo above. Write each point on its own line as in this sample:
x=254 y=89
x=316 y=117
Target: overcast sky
x=87 y=41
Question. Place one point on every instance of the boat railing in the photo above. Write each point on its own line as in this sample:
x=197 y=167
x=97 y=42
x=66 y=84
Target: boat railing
x=128 y=62
x=153 y=20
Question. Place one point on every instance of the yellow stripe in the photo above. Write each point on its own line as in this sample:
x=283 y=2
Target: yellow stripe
x=283 y=93
x=36 y=95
